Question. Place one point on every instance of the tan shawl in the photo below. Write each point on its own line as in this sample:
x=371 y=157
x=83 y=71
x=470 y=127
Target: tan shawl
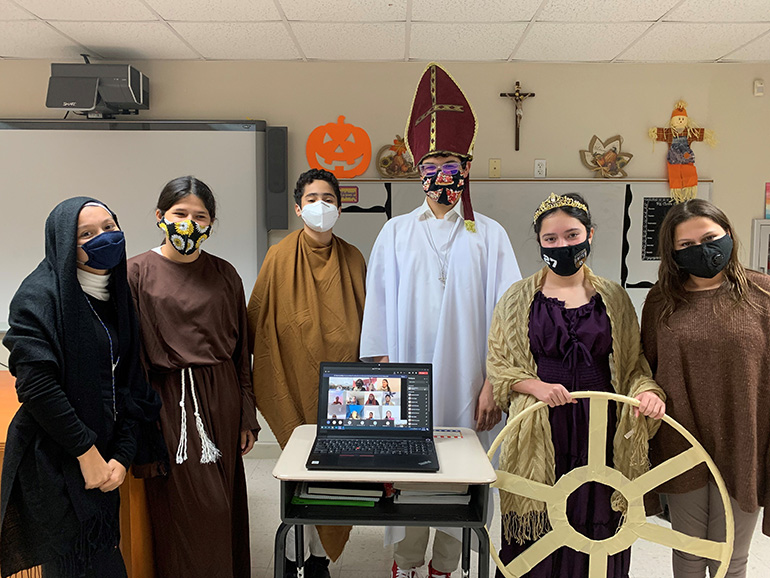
x=528 y=449
x=306 y=307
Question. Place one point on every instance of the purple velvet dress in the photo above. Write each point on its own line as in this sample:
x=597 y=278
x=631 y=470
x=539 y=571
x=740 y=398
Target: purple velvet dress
x=572 y=347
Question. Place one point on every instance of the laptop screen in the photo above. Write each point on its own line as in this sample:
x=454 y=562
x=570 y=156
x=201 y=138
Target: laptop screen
x=375 y=396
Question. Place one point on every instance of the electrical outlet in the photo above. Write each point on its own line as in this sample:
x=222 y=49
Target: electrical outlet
x=494 y=168
x=540 y=168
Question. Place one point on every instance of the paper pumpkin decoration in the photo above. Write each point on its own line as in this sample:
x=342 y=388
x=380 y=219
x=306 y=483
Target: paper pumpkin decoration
x=680 y=133
x=340 y=148
x=606 y=158
x=392 y=161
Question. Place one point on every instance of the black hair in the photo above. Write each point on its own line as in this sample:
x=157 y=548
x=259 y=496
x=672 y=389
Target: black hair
x=182 y=187
x=583 y=216
x=316 y=175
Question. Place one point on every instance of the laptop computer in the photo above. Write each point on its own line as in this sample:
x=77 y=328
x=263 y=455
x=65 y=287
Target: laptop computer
x=375 y=417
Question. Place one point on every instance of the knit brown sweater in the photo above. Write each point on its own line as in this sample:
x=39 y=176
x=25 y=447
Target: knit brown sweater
x=712 y=358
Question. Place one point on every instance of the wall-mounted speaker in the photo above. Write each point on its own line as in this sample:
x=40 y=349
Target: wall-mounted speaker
x=277 y=177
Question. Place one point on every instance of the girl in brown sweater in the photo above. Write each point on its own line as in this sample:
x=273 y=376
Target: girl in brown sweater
x=704 y=332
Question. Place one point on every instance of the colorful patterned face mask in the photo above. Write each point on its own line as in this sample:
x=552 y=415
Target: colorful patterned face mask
x=442 y=188
x=185 y=236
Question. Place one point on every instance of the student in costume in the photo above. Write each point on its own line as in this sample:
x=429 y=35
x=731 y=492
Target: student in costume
x=559 y=331
x=192 y=314
x=435 y=275
x=705 y=333
x=74 y=349
x=309 y=298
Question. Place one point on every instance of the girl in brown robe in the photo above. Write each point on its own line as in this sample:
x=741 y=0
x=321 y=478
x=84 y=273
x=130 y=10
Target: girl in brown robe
x=192 y=314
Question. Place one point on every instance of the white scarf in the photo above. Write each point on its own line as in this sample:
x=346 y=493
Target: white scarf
x=94 y=285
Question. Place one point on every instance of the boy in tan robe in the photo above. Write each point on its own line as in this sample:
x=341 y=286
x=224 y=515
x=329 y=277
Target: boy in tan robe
x=306 y=308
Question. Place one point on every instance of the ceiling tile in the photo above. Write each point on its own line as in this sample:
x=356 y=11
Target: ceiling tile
x=601 y=11
x=35 y=39
x=87 y=9
x=128 y=40
x=10 y=11
x=578 y=42
x=757 y=50
x=721 y=11
x=361 y=41
x=345 y=10
x=677 y=42
x=433 y=41
x=239 y=40
x=216 y=10
x=477 y=11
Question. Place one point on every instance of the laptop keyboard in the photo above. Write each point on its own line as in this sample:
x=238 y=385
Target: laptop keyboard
x=372 y=447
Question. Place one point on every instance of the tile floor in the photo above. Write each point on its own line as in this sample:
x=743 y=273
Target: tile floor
x=365 y=547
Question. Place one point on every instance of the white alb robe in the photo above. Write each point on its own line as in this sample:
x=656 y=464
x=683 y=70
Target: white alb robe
x=411 y=317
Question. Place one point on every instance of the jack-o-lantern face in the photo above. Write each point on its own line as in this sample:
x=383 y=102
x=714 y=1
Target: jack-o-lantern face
x=342 y=149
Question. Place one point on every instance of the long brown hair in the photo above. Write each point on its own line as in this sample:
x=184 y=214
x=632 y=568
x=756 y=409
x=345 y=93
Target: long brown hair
x=671 y=278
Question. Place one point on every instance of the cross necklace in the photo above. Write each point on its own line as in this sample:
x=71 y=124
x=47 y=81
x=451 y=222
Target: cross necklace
x=443 y=263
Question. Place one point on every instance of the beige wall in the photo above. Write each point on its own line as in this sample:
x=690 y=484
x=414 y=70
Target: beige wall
x=573 y=102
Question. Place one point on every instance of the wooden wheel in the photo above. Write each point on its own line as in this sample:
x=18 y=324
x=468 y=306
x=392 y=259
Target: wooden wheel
x=635 y=525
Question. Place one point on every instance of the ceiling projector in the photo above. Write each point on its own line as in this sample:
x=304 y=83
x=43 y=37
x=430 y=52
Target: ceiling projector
x=98 y=90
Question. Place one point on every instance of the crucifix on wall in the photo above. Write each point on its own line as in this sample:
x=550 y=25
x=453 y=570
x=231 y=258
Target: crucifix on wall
x=518 y=97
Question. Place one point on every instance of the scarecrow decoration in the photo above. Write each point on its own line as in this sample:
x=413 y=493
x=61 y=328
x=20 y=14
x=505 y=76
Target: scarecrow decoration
x=680 y=133
x=392 y=161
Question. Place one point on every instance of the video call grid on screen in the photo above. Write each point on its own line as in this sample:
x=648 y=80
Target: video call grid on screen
x=372 y=399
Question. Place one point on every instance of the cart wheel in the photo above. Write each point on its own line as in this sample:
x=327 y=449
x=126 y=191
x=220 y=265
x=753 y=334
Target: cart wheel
x=635 y=525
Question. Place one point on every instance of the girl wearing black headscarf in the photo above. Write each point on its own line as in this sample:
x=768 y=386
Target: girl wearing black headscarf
x=74 y=350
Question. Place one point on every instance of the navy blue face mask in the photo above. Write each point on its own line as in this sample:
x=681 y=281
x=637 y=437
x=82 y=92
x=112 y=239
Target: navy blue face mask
x=105 y=251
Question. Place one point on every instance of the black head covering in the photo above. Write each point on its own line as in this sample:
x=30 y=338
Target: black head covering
x=51 y=321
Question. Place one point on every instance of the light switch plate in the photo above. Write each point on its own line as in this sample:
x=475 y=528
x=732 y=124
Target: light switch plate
x=494 y=168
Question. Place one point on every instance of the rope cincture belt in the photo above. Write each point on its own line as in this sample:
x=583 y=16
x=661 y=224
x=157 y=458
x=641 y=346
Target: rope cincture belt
x=209 y=452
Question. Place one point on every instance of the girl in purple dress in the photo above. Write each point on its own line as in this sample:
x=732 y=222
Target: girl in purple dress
x=560 y=331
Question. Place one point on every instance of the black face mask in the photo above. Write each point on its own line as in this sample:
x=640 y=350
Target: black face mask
x=566 y=261
x=707 y=259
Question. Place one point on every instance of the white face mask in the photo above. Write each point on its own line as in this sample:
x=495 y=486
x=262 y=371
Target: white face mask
x=320 y=216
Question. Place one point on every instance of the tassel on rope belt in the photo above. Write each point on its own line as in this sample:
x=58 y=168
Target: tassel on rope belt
x=209 y=452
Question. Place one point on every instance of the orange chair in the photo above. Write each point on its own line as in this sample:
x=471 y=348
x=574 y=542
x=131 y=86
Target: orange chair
x=136 y=542
x=9 y=405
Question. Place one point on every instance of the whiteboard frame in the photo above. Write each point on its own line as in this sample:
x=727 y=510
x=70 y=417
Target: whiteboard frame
x=257 y=127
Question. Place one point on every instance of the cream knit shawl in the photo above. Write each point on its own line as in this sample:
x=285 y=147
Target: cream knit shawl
x=528 y=449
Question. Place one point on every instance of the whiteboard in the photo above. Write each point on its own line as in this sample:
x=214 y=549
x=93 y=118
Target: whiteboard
x=616 y=209
x=511 y=204
x=125 y=165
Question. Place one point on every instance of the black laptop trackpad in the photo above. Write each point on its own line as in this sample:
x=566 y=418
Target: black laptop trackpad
x=355 y=462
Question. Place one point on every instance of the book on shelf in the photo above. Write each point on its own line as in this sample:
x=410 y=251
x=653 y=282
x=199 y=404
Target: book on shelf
x=421 y=489
x=463 y=499
x=305 y=490
x=297 y=500
x=345 y=489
